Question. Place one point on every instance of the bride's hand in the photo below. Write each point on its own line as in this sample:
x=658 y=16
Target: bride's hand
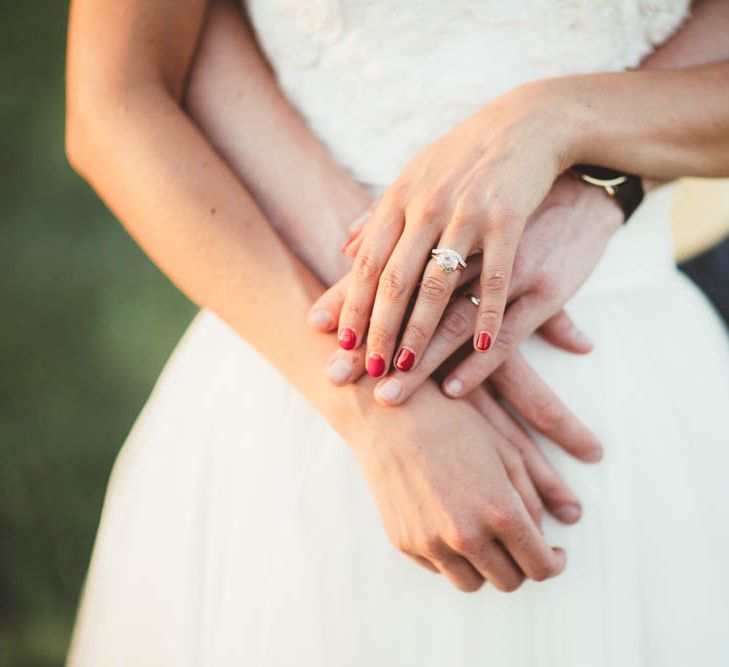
x=563 y=241
x=453 y=495
x=473 y=191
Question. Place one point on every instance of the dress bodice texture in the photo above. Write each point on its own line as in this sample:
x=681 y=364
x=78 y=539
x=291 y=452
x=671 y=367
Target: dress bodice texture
x=378 y=80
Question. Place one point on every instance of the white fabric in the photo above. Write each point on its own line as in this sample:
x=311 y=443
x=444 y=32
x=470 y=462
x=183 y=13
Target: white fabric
x=238 y=530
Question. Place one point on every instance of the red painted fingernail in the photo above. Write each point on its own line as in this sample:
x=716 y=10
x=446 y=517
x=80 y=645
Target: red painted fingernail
x=375 y=365
x=347 y=338
x=483 y=341
x=405 y=359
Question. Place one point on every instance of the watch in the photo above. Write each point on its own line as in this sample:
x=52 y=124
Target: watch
x=625 y=189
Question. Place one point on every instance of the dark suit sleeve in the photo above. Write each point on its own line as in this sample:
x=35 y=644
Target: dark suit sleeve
x=710 y=271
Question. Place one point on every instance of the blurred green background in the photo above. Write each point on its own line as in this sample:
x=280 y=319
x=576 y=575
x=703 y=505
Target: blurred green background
x=87 y=323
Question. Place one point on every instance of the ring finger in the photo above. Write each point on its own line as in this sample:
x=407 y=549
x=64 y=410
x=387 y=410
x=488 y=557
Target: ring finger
x=436 y=289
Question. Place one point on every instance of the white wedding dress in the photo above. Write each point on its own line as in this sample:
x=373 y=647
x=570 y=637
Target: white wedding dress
x=238 y=530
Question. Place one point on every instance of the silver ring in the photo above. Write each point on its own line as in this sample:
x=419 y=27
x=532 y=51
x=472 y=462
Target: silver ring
x=476 y=301
x=448 y=260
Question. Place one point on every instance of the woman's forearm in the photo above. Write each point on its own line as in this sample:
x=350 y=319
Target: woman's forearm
x=672 y=124
x=236 y=101
x=661 y=124
x=129 y=137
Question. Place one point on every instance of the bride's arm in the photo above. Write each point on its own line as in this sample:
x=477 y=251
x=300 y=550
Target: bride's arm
x=128 y=135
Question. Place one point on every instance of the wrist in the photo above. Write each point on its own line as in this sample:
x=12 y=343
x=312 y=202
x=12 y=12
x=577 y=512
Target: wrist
x=572 y=115
x=596 y=205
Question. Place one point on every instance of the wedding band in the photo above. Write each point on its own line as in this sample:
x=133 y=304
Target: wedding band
x=476 y=301
x=448 y=260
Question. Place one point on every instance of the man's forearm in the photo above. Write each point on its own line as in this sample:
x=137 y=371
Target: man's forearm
x=235 y=99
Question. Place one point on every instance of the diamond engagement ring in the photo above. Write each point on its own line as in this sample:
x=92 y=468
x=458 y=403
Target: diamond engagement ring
x=448 y=260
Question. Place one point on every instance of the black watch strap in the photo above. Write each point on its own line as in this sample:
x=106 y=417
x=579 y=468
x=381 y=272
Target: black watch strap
x=626 y=189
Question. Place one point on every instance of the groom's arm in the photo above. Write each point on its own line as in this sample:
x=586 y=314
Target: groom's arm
x=236 y=101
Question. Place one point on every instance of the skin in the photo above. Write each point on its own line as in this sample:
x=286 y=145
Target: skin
x=538 y=289
x=471 y=191
x=235 y=100
x=127 y=72
x=128 y=135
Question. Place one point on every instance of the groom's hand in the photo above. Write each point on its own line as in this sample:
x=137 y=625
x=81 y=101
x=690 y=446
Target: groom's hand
x=562 y=243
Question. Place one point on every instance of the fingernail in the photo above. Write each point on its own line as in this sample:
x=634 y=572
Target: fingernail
x=343 y=249
x=568 y=513
x=580 y=338
x=454 y=387
x=375 y=364
x=405 y=359
x=389 y=390
x=483 y=341
x=339 y=371
x=594 y=455
x=321 y=319
x=347 y=338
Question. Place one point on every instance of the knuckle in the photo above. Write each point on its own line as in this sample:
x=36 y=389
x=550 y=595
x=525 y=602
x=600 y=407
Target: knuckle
x=542 y=569
x=435 y=289
x=505 y=341
x=430 y=546
x=545 y=284
x=464 y=539
x=366 y=268
x=463 y=220
x=536 y=507
x=403 y=546
x=503 y=216
x=415 y=335
x=378 y=337
x=455 y=325
x=494 y=282
x=509 y=585
x=503 y=519
x=423 y=211
x=393 y=285
x=352 y=310
x=396 y=193
x=551 y=489
x=490 y=315
x=469 y=584
x=548 y=414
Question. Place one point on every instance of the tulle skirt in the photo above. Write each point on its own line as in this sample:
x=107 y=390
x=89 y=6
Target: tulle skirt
x=238 y=529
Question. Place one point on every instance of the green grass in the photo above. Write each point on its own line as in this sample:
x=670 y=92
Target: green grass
x=87 y=322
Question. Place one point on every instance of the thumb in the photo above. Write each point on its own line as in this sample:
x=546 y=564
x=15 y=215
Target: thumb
x=562 y=332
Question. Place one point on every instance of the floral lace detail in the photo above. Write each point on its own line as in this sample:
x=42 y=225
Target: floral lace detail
x=378 y=80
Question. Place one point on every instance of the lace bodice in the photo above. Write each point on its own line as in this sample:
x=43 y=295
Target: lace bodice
x=377 y=80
